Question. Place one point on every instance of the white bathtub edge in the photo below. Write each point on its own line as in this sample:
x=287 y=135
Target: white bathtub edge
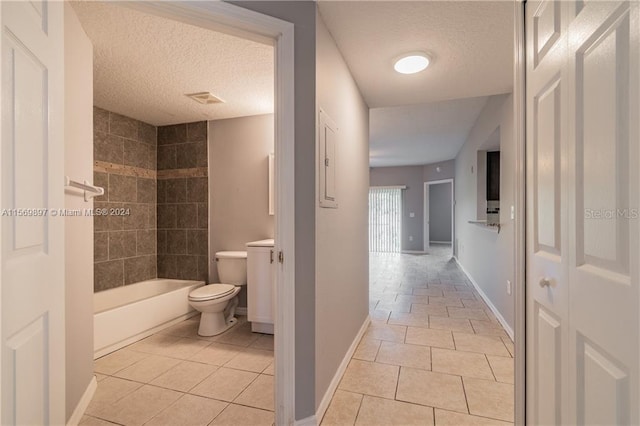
x=126 y=342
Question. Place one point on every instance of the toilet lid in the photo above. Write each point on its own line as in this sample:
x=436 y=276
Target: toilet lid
x=211 y=291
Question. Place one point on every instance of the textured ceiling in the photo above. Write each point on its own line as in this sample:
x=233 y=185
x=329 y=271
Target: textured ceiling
x=144 y=65
x=421 y=134
x=470 y=43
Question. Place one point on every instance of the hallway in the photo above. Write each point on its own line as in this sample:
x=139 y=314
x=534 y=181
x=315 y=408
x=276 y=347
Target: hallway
x=433 y=354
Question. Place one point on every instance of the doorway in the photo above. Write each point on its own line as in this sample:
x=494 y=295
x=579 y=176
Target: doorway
x=385 y=219
x=439 y=214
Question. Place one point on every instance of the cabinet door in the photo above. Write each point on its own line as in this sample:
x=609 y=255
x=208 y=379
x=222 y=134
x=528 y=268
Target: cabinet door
x=260 y=279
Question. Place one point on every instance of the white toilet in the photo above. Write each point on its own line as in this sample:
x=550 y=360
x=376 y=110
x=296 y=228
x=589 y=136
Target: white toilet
x=218 y=302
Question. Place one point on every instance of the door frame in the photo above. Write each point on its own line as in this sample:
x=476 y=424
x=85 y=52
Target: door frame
x=237 y=21
x=519 y=243
x=425 y=209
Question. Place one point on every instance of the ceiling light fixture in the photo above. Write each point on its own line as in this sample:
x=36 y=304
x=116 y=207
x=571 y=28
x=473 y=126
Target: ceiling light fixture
x=412 y=63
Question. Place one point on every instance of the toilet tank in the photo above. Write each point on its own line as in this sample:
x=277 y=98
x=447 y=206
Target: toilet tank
x=232 y=267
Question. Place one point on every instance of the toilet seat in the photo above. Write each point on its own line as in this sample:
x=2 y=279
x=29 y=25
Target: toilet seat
x=211 y=292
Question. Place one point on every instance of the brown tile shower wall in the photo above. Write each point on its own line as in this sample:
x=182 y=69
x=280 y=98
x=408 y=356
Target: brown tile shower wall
x=183 y=201
x=125 y=165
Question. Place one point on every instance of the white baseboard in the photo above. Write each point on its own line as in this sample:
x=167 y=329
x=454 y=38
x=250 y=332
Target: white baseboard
x=77 y=414
x=486 y=299
x=326 y=399
x=413 y=252
x=307 y=421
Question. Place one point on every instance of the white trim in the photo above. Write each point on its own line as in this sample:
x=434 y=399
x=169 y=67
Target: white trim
x=439 y=242
x=238 y=21
x=486 y=299
x=328 y=395
x=77 y=414
x=425 y=213
x=519 y=293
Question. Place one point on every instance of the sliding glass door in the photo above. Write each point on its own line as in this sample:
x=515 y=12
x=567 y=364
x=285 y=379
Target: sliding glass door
x=385 y=219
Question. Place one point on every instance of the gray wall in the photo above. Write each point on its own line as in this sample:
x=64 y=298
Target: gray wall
x=239 y=151
x=303 y=15
x=413 y=177
x=78 y=162
x=488 y=256
x=440 y=212
x=342 y=264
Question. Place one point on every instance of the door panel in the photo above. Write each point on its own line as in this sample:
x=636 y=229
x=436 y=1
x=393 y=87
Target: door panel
x=548 y=351
x=583 y=146
x=32 y=173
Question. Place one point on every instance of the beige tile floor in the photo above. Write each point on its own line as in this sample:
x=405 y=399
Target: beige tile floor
x=177 y=378
x=434 y=353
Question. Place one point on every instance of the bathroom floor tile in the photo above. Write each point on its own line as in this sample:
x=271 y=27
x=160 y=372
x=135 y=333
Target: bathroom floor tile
x=489 y=398
x=189 y=410
x=259 y=394
x=184 y=376
x=154 y=344
x=147 y=369
x=467 y=364
x=217 y=354
x=116 y=361
x=383 y=412
x=236 y=415
x=432 y=389
x=224 y=384
x=370 y=378
x=255 y=360
x=139 y=406
x=490 y=345
x=240 y=335
x=110 y=391
x=343 y=409
x=188 y=329
x=404 y=355
x=430 y=337
x=184 y=348
x=264 y=342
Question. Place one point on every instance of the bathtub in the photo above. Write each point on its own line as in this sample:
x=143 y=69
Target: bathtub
x=127 y=314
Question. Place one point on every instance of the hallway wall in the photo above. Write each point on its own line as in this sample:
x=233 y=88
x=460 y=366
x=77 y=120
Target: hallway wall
x=342 y=262
x=485 y=254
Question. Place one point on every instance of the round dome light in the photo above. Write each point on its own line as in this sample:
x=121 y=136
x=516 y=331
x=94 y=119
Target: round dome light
x=411 y=63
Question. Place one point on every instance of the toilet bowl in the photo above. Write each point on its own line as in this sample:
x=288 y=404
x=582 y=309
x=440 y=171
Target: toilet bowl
x=218 y=301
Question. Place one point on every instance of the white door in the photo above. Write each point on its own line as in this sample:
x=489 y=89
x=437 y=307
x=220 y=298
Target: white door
x=583 y=138
x=32 y=164
x=426 y=236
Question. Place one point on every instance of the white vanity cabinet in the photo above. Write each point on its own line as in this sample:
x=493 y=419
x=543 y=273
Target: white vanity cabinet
x=260 y=282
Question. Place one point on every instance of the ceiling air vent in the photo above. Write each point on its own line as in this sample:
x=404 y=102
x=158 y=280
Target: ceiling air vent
x=205 y=98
